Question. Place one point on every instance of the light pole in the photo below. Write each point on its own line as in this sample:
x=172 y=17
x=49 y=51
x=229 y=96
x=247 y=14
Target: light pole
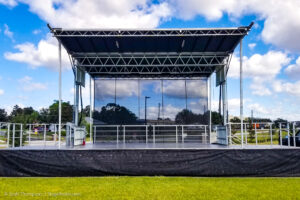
x=146 y=97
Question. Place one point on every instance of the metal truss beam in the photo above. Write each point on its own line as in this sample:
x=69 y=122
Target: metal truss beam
x=58 y=32
x=150 y=65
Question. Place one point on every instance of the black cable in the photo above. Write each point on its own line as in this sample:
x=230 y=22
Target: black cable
x=80 y=119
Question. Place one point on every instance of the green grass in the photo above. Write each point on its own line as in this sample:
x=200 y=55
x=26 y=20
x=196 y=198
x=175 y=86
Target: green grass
x=144 y=188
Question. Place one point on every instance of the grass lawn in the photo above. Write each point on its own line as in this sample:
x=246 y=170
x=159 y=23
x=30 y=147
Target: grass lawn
x=143 y=188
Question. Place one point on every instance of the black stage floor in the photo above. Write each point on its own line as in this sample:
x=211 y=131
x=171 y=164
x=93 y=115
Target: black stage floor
x=214 y=161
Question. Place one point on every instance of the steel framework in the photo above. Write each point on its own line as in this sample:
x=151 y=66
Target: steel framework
x=59 y=32
x=151 y=53
x=107 y=53
x=147 y=65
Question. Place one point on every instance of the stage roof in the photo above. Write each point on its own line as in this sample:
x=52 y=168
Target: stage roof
x=150 y=52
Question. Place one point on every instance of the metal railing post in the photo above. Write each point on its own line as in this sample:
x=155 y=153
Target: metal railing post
x=59 y=135
x=21 y=134
x=176 y=135
x=8 y=134
x=182 y=132
x=205 y=135
x=288 y=133
x=55 y=135
x=153 y=134
x=230 y=134
x=124 y=141
x=280 y=136
x=94 y=135
x=14 y=132
x=146 y=134
x=271 y=134
x=294 y=134
x=255 y=133
x=29 y=135
x=44 y=135
x=246 y=136
x=117 y=134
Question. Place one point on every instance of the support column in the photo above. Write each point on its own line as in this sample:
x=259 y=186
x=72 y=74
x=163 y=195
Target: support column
x=59 y=94
x=91 y=111
x=209 y=105
x=76 y=103
x=162 y=100
x=139 y=99
x=224 y=99
x=241 y=92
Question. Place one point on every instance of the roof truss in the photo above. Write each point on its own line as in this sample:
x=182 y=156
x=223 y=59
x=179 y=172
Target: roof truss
x=145 y=65
x=156 y=32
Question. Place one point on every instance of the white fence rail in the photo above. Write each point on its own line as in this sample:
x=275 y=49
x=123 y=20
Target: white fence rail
x=280 y=134
x=151 y=134
x=17 y=135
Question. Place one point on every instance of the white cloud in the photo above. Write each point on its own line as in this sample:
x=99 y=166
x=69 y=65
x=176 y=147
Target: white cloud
x=199 y=106
x=233 y=104
x=1 y=92
x=258 y=109
x=262 y=69
x=124 y=88
x=10 y=3
x=281 y=26
x=252 y=46
x=84 y=14
x=176 y=88
x=274 y=111
x=260 y=88
x=211 y=10
x=8 y=33
x=100 y=13
x=169 y=112
x=45 y=54
x=287 y=87
x=266 y=66
x=35 y=32
x=293 y=71
x=29 y=85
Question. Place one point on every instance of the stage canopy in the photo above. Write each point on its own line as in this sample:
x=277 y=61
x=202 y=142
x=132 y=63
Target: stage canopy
x=153 y=53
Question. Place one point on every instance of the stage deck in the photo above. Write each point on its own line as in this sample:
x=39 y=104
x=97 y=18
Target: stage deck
x=133 y=146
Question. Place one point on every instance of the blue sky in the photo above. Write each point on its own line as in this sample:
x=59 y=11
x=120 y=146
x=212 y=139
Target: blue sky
x=28 y=54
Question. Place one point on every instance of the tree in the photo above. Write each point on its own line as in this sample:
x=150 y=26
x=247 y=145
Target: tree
x=278 y=121
x=115 y=114
x=26 y=115
x=52 y=112
x=86 y=111
x=16 y=110
x=186 y=117
x=44 y=115
x=216 y=118
x=3 y=115
x=235 y=120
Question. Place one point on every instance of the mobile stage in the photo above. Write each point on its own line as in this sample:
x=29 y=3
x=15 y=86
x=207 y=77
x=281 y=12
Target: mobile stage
x=148 y=147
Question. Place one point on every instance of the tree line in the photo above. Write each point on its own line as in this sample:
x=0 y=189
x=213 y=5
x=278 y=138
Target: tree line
x=109 y=114
x=28 y=115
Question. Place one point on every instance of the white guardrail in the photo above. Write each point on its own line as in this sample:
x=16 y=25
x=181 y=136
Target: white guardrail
x=151 y=134
x=16 y=135
x=280 y=134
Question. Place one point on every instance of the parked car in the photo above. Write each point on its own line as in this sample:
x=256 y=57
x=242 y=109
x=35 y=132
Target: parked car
x=285 y=140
